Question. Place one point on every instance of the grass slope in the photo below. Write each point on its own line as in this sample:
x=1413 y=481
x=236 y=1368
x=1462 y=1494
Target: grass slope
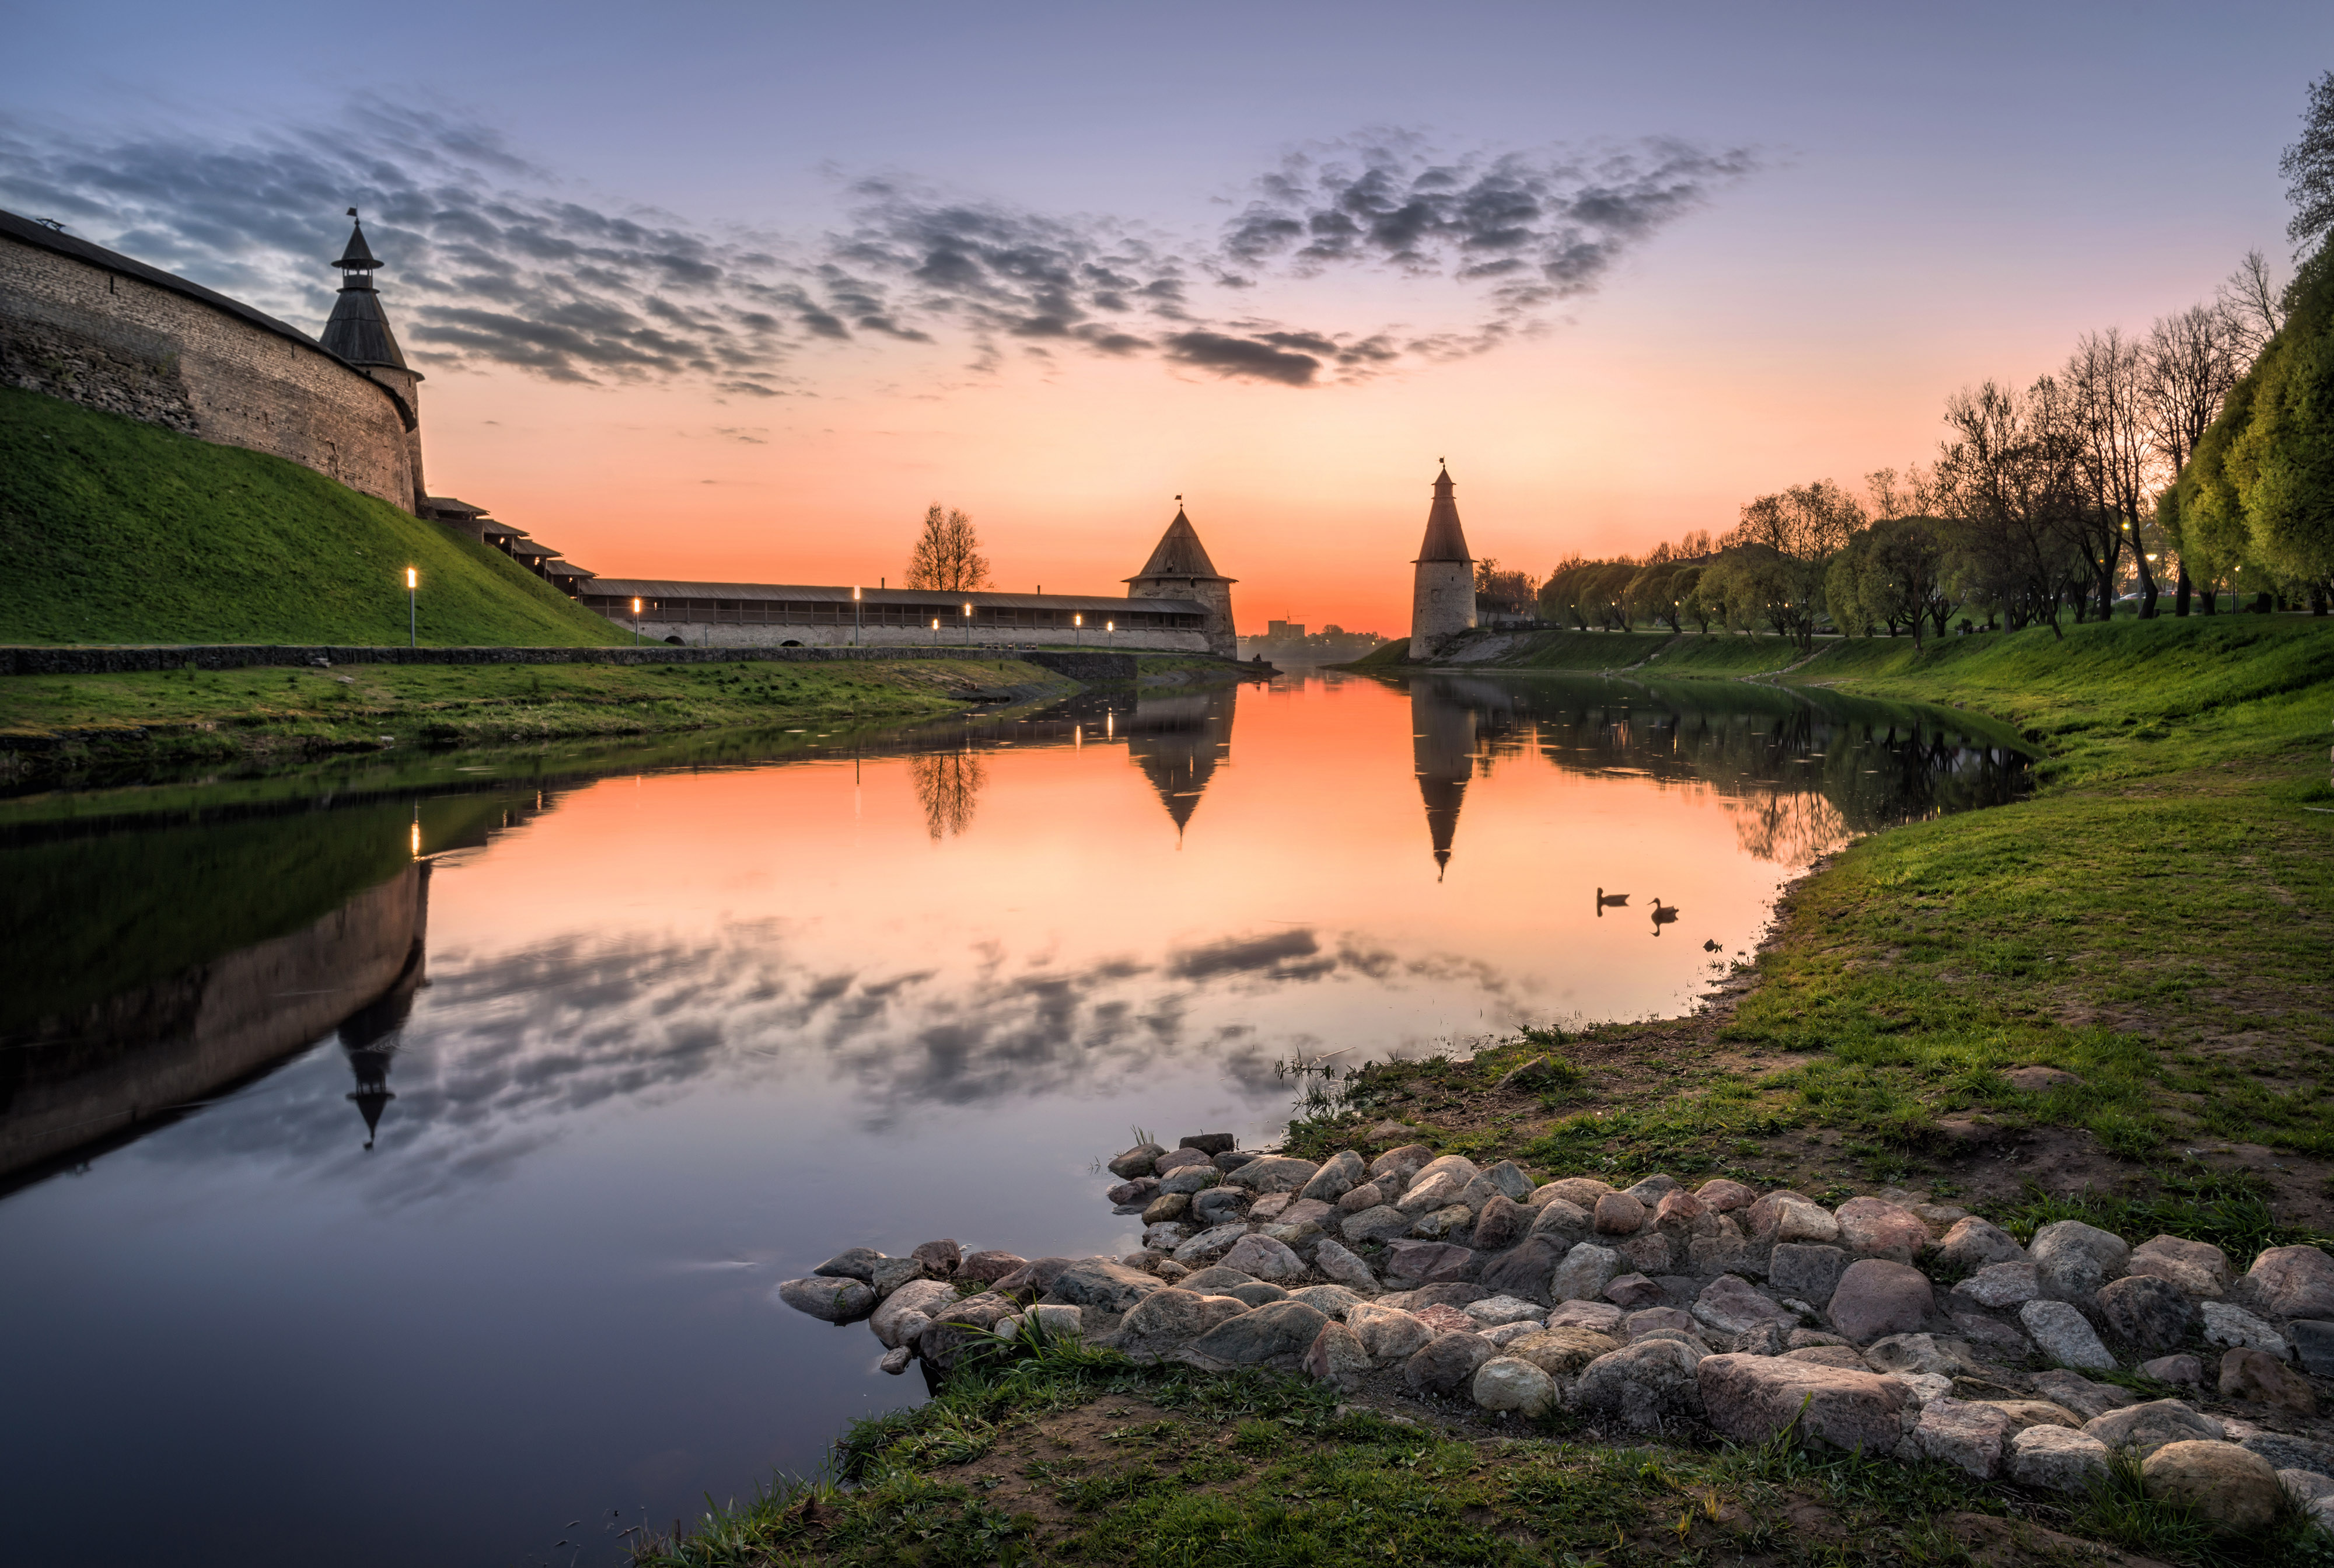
x=120 y=532
x=2155 y=918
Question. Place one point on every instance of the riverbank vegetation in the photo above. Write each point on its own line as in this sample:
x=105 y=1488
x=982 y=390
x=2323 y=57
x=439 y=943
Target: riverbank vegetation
x=92 y=727
x=115 y=531
x=2152 y=925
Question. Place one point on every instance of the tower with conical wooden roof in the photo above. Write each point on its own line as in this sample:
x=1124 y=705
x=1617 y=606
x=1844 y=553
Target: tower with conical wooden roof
x=1180 y=569
x=1443 y=592
x=358 y=332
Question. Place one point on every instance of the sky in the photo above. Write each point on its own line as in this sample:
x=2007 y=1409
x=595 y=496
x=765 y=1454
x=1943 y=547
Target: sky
x=731 y=291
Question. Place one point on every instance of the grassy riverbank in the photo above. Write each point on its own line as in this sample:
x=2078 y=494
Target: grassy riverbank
x=2156 y=920
x=120 y=532
x=61 y=727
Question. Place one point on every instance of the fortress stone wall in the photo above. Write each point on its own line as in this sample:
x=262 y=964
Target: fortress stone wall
x=82 y=322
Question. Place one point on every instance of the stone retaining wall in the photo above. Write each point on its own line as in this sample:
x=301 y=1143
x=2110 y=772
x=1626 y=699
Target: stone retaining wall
x=1886 y=1325
x=79 y=322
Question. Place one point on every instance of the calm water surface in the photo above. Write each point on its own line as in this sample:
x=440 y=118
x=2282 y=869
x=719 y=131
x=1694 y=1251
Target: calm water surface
x=472 y=1127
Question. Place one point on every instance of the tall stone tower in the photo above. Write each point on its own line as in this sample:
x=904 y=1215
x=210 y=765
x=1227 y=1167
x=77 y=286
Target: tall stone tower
x=1180 y=569
x=1442 y=596
x=358 y=332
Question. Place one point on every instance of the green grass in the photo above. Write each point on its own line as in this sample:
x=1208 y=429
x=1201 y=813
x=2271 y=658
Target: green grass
x=1262 y=1469
x=120 y=532
x=79 y=730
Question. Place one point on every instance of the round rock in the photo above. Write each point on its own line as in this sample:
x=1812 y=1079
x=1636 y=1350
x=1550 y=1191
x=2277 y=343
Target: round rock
x=2235 y=1490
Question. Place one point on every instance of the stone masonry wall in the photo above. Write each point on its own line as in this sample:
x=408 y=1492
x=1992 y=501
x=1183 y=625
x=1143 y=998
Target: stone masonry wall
x=1087 y=665
x=77 y=330
x=899 y=639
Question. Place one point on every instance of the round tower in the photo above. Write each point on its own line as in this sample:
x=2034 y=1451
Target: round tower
x=1180 y=569
x=358 y=332
x=1443 y=594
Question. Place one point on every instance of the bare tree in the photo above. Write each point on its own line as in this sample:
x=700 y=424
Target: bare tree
x=948 y=553
x=2309 y=169
x=948 y=786
x=2107 y=377
x=2253 y=303
x=2191 y=360
x=2012 y=473
x=1906 y=494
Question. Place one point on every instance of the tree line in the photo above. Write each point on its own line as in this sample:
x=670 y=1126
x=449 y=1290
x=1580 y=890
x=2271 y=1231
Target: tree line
x=2194 y=460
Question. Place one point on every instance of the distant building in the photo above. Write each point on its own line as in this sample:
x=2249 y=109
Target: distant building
x=1179 y=602
x=1283 y=631
x=1442 y=592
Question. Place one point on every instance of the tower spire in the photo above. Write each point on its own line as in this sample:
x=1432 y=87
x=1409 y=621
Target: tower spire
x=358 y=329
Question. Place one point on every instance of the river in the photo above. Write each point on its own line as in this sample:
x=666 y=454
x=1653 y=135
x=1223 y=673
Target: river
x=400 y=1175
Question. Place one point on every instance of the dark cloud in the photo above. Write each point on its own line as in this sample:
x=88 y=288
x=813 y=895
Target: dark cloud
x=493 y=260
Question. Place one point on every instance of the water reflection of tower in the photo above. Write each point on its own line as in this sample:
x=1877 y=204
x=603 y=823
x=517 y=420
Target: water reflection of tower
x=1442 y=752
x=1178 y=741
x=371 y=1035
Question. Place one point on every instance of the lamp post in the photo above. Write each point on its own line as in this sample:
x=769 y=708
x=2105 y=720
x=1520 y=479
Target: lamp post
x=968 y=622
x=412 y=614
x=1078 y=631
x=1112 y=627
x=636 y=620
x=854 y=614
x=936 y=631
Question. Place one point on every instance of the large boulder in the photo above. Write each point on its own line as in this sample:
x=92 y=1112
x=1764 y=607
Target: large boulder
x=1166 y=1209
x=1336 y=1357
x=940 y=1258
x=2235 y=1490
x=2064 y=1334
x=1340 y=1266
x=1512 y=1383
x=852 y=1264
x=1919 y=1355
x=1032 y=1279
x=990 y=1266
x=1805 y=1272
x=1567 y=1224
x=1189 y=1179
x=1682 y=1210
x=905 y=1312
x=1998 y=1287
x=1511 y=1180
x=1404 y=1162
x=2227 y=1323
x=1733 y=1306
x=2080 y=1393
x=1257 y=1292
x=1651 y=1191
x=2291 y=1282
x=1340 y=1174
x=1264 y=1257
x=2075 y=1260
x=1649 y=1252
x=1371 y=1227
x=1209 y=1245
x=1273 y=1173
x=1724 y=1196
x=1717 y=1249
x=1432 y=1189
x=1497 y=1312
x=2051 y=1458
x=972 y=1321
x=1647 y=1387
x=1874 y=1228
x=1137 y=1161
x=1176 y=1159
x=2199 y=1268
x=1973 y=1242
x=1584 y=1274
x=1561 y=1353
x=1428 y=1263
x=2141 y=1310
x=2145 y=1428
x=1633 y=1291
x=1096 y=1282
x=2259 y=1378
x=1877 y=1297
x=1972 y=1437
x=1502 y=1223
x=1447 y=1363
x=1254 y=1338
x=1597 y=1317
x=1218 y=1205
x=1618 y=1215
x=1210 y=1143
x=1523 y=1270
x=1334 y=1299
x=1750 y=1399
x=1790 y=1216
x=831 y=1299
x=1387 y=1334
x=892 y=1273
x=1369 y=1195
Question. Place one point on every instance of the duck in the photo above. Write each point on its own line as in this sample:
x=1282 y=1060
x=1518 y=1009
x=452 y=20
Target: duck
x=1711 y=945
x=1662 y=915
x=1612 y=900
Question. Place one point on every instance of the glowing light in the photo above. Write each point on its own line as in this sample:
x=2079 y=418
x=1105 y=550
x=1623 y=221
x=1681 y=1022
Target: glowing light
x=417 y=840
x=412 y=579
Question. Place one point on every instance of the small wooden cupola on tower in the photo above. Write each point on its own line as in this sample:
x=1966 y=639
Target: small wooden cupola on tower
x=1179 y=568
x=358 y=332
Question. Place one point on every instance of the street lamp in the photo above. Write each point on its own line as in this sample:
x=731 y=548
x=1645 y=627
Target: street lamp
x=1112 y=627
x=1078 y=630
x=412 y=615
x=936 y=631
x=968 y=622
x=636 y=620
x=856 y=622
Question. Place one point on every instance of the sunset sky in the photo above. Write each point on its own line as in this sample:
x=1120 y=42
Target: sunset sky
x=736 y=291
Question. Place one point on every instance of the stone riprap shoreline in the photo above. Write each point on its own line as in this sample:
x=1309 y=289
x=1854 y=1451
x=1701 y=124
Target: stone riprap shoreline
x=1888 y=1325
